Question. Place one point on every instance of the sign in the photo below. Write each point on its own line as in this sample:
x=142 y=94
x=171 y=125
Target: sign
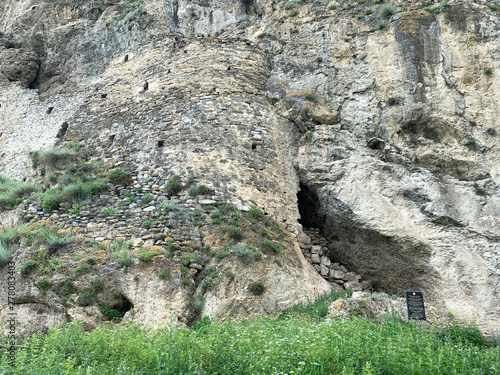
x=415 y=304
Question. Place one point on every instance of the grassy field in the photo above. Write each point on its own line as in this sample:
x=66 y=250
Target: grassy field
x=290 y=344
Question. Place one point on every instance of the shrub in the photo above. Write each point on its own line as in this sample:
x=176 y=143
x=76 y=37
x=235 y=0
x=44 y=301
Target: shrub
x=52 y=158
x=197 y=305
x=387 y=10
x=288 y=6
x=310 y=97
x=270 y=246
x=6 y=250
x=146 y=223
x=11 y=192
x=147 y=256
x=110 y=313
x=147 y=198
x=169 y=206
x=28 y=267
x=164 y=273
x=293 y=13
x=118 y=175
x=463 y=335
x=257 y=288
x=332 y=5
x=246 y=254
x=223 y=253
x=204 y=190
x=108 y=211
x=236 y=233
x=44 y=285
x=193 y=191
x=81 y=190
x=186 y=258
x=82 y=268
x=98 y=286
x=255 y=213
x=174 y=185
x=121 y=253
x=216 y=217
x=229 y=275
x=380 y=24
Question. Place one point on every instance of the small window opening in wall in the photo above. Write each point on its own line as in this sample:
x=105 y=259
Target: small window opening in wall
x=146 y=86
x=111 y=138
x=125 y=59
x=49 y=110
x=254 y=146
x=160 y=143
x=62 y=130
x=103 y=96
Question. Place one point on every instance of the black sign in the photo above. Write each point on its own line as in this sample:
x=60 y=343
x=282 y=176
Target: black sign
x=415 y=304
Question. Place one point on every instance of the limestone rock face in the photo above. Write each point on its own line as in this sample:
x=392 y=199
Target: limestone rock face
x=385 y=140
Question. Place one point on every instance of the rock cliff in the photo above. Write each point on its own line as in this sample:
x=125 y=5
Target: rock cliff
x=372 y=124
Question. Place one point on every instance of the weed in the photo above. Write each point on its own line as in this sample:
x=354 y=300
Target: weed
x=44 y=285
x=28 y=267
x=6 y=250
x=255 y=213
x=257 y=288
x=293 y=13
x=236 y=233
x=493 y=7
x=380 y=24
x=437 y=8
x=223 y=253
x=387 y=10
x=148 y=197
x=169 y=206
x=288 y=6
x=164 y=273
x=332 y=5
x=270 y=246
x=368 y=11
x=98 y=286
x=246 y=254
x=109 y=211
x=310 y=97
x=146 y=223
x=118 y=176
x=362 y=56
x=197 y=305
x=12 y=191
x=82 y=269
x=174 y=185
x=229 y=275
x=488 y=71
x=147 y=256
x=121 y=253
x=110 y=313
x=186 y=258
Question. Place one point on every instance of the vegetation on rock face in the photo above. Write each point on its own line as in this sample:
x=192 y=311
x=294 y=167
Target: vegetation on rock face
x=11 y=192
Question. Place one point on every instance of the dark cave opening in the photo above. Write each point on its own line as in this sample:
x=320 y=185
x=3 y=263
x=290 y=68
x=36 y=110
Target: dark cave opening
x=310 y=210
x=123 y=305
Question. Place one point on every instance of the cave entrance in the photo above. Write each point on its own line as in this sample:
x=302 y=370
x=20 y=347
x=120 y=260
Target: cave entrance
x=310 y=210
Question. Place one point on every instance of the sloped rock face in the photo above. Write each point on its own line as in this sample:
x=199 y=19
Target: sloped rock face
x=389 y=137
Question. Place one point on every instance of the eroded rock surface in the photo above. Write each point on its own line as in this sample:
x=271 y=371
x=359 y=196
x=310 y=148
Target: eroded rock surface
x=385 y=140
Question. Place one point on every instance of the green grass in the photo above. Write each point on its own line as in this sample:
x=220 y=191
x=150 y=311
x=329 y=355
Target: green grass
x=270 y=246
x=255 y=213
x=122 y=253
x=6 y=250
x=258 y=346
x=57 y=159
x=11 y=192
x=28 y=267
x=387 y=10
x=164 y=273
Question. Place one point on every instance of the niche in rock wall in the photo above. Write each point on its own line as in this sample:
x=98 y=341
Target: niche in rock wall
x=310 y=209
x=62 y=130
x=122 y=305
